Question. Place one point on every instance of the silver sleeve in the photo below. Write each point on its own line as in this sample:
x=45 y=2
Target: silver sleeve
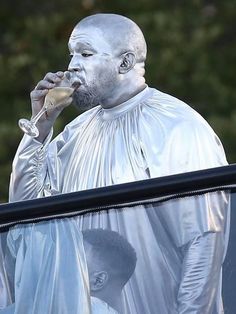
x=29 y=169
x=201 y=274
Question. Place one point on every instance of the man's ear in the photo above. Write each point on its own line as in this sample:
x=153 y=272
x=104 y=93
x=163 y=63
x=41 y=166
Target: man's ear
x=98 y=280
x=128 y=62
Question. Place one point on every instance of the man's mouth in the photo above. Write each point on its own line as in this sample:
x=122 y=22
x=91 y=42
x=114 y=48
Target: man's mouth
x=76 y=85
x=77 y=82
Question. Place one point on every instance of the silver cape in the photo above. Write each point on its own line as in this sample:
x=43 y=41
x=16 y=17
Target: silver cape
x=180 y=244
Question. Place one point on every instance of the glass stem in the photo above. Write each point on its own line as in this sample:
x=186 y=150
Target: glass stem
x=38 y=115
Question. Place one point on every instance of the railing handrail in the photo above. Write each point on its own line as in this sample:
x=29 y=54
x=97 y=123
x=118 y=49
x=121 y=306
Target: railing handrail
x=81 y=201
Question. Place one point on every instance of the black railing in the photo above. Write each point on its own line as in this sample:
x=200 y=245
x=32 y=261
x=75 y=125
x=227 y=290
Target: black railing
x=97 y=199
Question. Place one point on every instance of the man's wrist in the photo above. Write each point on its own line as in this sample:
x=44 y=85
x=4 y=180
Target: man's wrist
x=44 y=129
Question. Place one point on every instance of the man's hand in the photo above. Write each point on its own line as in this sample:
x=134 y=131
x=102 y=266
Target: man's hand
x=37 y=96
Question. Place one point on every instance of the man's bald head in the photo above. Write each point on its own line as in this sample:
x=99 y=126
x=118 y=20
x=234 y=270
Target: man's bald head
x=120 y=32
x=108 y=53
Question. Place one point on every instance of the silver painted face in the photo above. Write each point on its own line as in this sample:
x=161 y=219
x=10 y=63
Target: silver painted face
x=93 y=67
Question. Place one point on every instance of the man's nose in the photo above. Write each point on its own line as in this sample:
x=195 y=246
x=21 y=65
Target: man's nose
x=74 y=64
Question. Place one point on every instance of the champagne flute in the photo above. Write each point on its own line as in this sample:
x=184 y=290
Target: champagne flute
x=55 y=97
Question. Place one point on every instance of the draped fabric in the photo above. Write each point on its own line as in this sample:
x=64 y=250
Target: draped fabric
x=43 y=252
x=180 y=244
x=5 y=292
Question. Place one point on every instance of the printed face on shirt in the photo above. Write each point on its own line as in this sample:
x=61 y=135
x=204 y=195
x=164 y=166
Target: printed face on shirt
x=93 y=66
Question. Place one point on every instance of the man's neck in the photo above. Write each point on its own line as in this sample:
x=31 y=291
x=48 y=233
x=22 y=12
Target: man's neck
x=125 y=91
x=111 y=299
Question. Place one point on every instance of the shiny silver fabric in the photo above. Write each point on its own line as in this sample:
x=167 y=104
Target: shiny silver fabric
x=151 y=135
x=42 y=252
x=180 y=244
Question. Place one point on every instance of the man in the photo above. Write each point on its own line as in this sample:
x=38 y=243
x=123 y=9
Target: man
x=132 y=132
x=110 y=260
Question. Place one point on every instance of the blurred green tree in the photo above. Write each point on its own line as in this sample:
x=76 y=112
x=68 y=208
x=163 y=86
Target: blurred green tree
x=191 y=54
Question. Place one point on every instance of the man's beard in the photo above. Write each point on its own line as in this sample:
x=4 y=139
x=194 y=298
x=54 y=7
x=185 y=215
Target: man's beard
x=84 y=100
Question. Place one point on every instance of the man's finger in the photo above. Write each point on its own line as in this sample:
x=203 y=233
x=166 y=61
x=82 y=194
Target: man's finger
x=35 y=94
x=43 y=84
x=54 y=77
x=60 y=74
